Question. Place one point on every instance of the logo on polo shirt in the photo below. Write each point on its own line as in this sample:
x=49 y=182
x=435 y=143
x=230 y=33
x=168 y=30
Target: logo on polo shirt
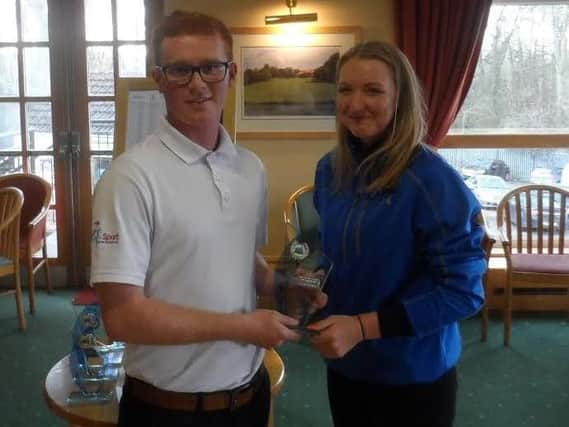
x=101 y=237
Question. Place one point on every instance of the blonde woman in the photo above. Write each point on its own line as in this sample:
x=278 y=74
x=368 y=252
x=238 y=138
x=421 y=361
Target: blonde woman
x=402 y=230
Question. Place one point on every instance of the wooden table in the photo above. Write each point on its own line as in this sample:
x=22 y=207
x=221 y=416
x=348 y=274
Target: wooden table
x=58 y=384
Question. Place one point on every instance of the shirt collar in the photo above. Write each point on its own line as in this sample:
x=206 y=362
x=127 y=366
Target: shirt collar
x=359 y=150
x=188 y=150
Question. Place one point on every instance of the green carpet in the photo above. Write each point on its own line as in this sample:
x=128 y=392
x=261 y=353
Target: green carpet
x=526 y=385
x=25 y=358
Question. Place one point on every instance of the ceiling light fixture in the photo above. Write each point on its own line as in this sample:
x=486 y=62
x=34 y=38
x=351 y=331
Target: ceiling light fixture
x=287 y=19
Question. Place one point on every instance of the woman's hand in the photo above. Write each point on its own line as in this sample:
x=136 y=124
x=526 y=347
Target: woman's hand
x=336 y=335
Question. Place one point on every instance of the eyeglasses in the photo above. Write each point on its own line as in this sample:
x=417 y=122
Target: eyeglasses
x=181 y=74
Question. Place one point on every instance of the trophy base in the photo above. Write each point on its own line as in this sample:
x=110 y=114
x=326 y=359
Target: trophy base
x=78 y=398
x=305 y=332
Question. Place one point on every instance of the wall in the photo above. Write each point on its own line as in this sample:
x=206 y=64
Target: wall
x=290 y=164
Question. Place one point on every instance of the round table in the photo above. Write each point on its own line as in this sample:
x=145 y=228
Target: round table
x=58 y=384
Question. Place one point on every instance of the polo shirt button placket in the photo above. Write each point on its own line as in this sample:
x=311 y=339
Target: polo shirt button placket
x=226 y=197
x=217 y=182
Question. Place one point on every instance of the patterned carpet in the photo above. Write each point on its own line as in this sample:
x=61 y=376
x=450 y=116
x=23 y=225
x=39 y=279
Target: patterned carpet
x=526 y=385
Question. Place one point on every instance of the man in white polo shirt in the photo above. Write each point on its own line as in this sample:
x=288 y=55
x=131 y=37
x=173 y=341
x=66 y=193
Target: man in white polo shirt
x=177 y=221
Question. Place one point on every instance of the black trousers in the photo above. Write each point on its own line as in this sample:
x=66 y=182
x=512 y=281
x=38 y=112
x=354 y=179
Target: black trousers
x=358 y=404
x=136 y=413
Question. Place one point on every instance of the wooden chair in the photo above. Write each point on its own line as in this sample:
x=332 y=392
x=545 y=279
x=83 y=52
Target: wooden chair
x=532 y=221
x=487 y=244
x=11 y=201
x=37 y=198
x=300 y=216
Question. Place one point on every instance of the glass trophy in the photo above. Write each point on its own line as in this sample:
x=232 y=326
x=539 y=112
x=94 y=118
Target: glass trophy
x=95 y=365
x=299 y=277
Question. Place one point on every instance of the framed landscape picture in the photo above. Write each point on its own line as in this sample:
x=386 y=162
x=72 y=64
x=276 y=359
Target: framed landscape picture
x=286 y=83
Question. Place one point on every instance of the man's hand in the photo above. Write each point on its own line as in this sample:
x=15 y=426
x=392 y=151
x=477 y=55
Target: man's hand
x=268 y=328
x=336 y=335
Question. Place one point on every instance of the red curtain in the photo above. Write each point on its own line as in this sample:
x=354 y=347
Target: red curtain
x=442 y=39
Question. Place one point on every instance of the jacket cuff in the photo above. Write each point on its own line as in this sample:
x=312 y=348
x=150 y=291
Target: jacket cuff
x=394 y=322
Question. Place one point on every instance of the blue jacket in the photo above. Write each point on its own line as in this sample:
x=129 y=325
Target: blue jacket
x=416 y=247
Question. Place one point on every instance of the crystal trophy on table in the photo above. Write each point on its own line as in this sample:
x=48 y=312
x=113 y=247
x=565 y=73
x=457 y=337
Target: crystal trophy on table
x=95 y=366
x=299 y=277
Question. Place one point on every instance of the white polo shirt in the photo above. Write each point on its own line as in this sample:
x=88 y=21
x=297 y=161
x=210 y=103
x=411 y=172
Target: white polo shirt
x=184 y=223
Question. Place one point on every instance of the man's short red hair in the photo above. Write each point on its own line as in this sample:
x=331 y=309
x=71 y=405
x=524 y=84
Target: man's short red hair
x=180 y=23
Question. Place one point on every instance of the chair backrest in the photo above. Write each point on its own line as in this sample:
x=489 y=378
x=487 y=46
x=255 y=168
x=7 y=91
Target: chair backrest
x=37 y=195
x=300 y=216
x=11 y=201
x=534 y=219
x=487 y=240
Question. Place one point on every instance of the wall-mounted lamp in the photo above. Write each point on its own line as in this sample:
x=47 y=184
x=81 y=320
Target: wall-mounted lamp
x=287 y=19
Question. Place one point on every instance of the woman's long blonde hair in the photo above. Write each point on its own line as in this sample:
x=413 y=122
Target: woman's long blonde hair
x=387 y=161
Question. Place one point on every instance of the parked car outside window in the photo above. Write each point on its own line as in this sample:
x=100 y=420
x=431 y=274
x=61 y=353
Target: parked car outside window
x=499 y=168
x=557 y=171
x=542 y=176
x=468 y=171
x=489 y=189
x=564 y=180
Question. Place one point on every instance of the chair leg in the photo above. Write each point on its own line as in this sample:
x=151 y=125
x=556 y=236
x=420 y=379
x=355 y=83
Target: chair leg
x=484 y=311
x=19 y=303
x=31 y=281
x=484 y=326
x=508 y=312
x=46 y=267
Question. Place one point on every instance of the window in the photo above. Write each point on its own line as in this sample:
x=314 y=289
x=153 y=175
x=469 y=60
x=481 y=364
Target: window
x=520 y=85
x=26 y=98
x=59 y=62
x=514 y=122
x=115 y=37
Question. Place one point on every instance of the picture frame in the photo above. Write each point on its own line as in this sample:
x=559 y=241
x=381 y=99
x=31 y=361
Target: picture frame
x=285 y=88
